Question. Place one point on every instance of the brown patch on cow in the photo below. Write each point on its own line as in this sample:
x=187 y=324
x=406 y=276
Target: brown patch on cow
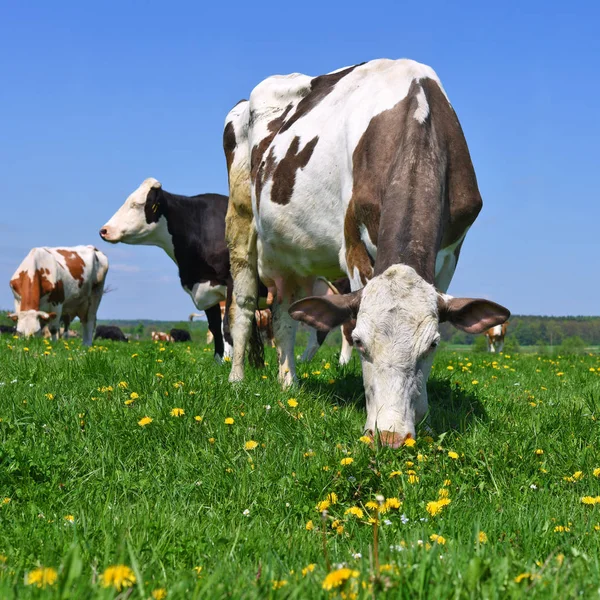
x=414 y=188
x=284 y=176
x=57 y=294
x=229 y=143
x=75 y=264
x=320 y=87
x=31 y=289
x=258 y=151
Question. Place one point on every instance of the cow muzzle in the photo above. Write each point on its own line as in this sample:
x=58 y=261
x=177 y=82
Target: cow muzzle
x=108 y=235
x=391 y=439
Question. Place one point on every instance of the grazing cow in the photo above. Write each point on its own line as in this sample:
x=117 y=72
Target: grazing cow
x=264 y=321
x=160 y=336
x=8 y=329
x=363 y=172
x=180 y=335
x=191 y=230
x=58 y=284
x=495 y=337
x=110 y=332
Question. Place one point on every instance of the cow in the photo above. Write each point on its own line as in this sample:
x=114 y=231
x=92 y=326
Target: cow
x=191 y=230
x=180 y=335
x=58 y=284
x=110 y=332
x=8 y=329
x=495 y=337
x=363 y=172
x=264 y=322
x=160 y=336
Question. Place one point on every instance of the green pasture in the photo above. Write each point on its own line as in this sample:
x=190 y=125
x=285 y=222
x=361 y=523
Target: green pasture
x=136 y=470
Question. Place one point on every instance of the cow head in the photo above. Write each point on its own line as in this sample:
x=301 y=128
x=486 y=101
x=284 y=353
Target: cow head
x=137 y=221
x=31 y=322
x=397 y=315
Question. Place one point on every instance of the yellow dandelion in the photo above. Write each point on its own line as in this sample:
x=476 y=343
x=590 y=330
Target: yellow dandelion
x=229 y=421
x=309 y=454
x=198 y=418
x=597 y=472
x=6 y=500
x=590 y=500
x=339 y=577
x=453 y=455
x=292 y=402
x=474 y=382
x=323 y=505
x=395 y=474
x=308 y=569
x=539 y=452
x=393 y=503
x=372 y=505
x=250 y=445
x=309 y=526
x=49 y=396
x=410 y=442
x=450 y=368
x=438 y=539
x=483 y=538
x=279 y=584
x=134 y=395
x=41 y=577
x=145 y=421
x=159 y=594
x=123 y=385
x=118 y=576
x=356 y=511
x=522 y=576
x=211 y=440
x=177 y=412
x=443 y=493
x=346 y=461
x=198 y=571
x=365 y=439
x=562 y=529
x=69 y=518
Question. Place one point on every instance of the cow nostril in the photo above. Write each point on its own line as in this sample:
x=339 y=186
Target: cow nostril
x=103 y=232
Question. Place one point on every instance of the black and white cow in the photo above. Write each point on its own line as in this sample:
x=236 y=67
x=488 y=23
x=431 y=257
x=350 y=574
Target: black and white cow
x=110 y=332
x=191 y=230
x=363 y=172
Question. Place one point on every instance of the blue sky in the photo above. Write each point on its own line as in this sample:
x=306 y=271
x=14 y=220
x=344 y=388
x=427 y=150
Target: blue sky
x=95 y=98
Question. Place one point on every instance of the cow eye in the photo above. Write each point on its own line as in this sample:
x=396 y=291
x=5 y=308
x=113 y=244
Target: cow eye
x=358 y=343
x=434 y=344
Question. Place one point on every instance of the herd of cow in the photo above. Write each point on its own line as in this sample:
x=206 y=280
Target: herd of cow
x=361 y=177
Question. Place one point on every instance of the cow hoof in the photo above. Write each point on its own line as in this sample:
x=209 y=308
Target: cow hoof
x=235 y=376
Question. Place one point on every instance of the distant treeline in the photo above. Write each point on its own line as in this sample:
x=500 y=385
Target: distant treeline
x=524 y=329
x=536 y=330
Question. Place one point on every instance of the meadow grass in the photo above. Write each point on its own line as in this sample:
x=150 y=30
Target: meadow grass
x=194 y=511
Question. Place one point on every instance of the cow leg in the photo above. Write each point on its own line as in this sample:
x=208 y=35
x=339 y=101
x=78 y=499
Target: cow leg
x=67 y=321
x=213 y=316
x=346 y=351
x=315 y=339
x=226 y=322
x=88 y=324
x=54 y=328
x=284 y=331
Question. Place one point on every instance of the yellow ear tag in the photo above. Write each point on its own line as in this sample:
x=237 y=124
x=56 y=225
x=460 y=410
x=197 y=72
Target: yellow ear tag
x=154 y=207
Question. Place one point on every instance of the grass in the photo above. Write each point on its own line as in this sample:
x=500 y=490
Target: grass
x=183 y=492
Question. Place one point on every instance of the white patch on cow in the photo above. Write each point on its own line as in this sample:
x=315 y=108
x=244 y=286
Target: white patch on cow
x=422 y=111
x=445 y=264
x=366 y=240
x=396 y=326
x=496 y=330
x=206 y=295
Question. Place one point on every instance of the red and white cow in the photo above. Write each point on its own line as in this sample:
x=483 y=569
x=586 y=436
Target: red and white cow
x=364 y=173
x=58 y=284
x=160 y=336
x=495 y=337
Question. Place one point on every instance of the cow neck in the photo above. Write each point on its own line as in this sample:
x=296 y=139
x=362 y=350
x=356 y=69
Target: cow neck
x=161 y=235
x=409 y=231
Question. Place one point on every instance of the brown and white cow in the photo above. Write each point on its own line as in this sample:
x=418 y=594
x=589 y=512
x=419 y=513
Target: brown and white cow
x=495 y=337
x=58 y=284
x=160 y=336
x=363 y=172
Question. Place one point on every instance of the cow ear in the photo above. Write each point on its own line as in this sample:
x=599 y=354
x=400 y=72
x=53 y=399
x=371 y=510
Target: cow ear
x=473 y=315
x=13 y=316
x=51 y=316
x=326 y=312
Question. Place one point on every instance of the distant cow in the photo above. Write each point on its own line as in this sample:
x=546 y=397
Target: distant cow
x=180 y=335
x=264 y=321
x=54 y=284
x=191 y=230
x=362 y=172
x=495 y=337
x=160 y=336
x=8 y=329
x=110 y=332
